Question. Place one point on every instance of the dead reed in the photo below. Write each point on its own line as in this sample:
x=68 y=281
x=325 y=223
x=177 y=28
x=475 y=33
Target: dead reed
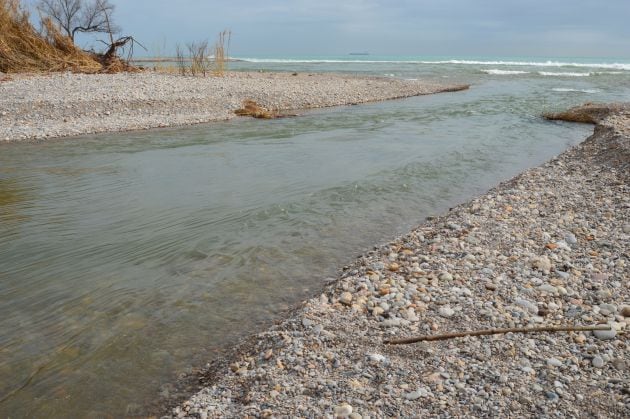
x=221 y=51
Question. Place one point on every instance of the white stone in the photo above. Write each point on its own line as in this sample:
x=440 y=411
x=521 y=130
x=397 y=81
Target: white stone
x=605 y=334
x=414 y=395
x=528 y=305
x=446 y=311
x=598 y=362
x=343 y=411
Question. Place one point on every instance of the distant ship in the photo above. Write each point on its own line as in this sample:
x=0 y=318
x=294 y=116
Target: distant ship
x=359 y=53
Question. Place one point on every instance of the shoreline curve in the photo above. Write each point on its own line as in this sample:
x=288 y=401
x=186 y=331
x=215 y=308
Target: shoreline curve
x=39 y=107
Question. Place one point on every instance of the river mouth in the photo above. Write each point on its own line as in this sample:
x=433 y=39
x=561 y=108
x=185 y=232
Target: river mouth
x=128 y=258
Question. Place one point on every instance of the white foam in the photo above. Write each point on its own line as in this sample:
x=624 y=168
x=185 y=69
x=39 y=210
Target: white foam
x=315 y=61
x=562 y=89
x=498 y=72
x=608 y=66
x=612 y=66
x=554 y=74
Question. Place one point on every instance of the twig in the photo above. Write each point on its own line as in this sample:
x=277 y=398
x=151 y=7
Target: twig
x=446 y=336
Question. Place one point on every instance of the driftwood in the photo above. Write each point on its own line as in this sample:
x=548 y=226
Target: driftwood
x=253 y=109
x=446 y=336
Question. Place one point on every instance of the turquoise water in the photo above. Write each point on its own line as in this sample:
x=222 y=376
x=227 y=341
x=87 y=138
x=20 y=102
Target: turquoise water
x=126 y=259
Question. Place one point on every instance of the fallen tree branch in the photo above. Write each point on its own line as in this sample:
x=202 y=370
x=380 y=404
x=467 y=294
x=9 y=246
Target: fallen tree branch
x=446 y=336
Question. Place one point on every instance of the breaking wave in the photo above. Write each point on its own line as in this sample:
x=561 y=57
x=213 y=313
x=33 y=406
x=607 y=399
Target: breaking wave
x=497 y=72
x=563 y=90
x=608 y=66
x=566 y=74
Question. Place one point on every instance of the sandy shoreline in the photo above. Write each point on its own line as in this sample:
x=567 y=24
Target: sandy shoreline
x=60 y=105
x=549 y=247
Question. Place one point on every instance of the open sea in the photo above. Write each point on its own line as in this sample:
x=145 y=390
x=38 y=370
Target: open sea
x=128 y=259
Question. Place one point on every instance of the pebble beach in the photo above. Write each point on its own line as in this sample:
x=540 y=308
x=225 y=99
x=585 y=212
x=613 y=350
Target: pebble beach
x=548 y=248
x=35 y=107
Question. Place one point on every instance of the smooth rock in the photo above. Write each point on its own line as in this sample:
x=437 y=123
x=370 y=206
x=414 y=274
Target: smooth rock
x=445 y=276
x=415 y=395
x=603 y=294
x=345 y=298
x=394 y=322
x=605 y=334
x=563 y=275
x=551 y=395
x=597 y=361
x=610 y=308
x=378 y=358
x=343 y=411
x=528 y=305
x=548 y=288
x=570 y=239
x=554 y=362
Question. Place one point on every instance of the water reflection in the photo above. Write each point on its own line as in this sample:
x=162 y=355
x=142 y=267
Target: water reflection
x=12 y=198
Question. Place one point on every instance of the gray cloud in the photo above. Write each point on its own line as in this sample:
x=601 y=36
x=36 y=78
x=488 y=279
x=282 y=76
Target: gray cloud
x=431 y=27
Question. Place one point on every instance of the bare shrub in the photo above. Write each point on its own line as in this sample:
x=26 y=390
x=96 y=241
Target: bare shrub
x=199 y=60
x=195 y=58
x=180 y=58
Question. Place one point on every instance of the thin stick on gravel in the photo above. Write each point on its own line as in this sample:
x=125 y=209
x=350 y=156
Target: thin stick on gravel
x=446 y=336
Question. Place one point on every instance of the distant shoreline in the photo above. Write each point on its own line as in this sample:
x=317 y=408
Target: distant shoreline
x=173 y=60
x=37 y=107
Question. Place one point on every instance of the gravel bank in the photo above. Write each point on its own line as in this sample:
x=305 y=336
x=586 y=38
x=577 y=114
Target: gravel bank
x=58 y=105
x=549 y=247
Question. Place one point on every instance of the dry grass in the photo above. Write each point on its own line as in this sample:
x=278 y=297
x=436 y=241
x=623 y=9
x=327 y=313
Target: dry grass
x=24 y=49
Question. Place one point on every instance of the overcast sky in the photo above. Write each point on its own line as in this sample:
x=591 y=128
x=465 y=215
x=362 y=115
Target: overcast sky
x=387 y=27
